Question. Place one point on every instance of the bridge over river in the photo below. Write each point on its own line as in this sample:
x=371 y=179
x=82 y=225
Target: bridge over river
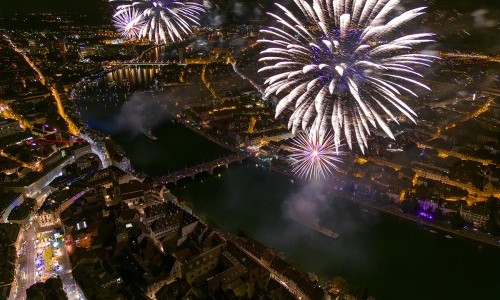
x=153 y=63
x=204 y=167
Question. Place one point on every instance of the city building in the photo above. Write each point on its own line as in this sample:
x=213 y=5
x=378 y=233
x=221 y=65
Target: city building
x=9 y=244
x=475 y=215
x=34 y=184
x=191 y=268
x=9 y=127
x=132 y=192
x=50 y=212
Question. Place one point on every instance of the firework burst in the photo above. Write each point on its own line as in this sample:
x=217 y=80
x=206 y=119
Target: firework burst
x=313 y=157
x=163 y=20
x=344 y=65
x=128 y=22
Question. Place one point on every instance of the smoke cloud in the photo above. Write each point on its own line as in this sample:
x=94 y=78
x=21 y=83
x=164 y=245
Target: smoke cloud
x=306 y=204
x=238 y=9
x=481 y=19
x=140 y=114
x=207 y=4
x=316 y=203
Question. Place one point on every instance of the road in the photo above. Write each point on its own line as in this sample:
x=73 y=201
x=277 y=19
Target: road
x=30 y=256
x=70 y=286
x=27 y=273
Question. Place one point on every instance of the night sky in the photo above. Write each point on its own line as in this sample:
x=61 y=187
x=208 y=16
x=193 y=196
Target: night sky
x=27 y=6
x=91 y=6
x=231 y=11
x=225 y=12
x=229 y=6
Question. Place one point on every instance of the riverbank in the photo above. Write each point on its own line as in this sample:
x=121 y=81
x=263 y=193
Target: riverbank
x=207 y=136
x=395 y=211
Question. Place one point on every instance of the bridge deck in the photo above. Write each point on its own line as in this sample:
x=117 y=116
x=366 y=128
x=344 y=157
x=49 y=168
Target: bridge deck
x=204 y=167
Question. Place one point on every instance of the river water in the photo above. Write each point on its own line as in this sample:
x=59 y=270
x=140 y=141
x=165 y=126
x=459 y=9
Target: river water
x=393 y=258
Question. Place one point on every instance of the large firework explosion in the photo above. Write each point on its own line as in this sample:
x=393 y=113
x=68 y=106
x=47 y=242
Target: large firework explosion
x=314 y=158
x=128 y=22
x=345 y=65
x=162 y=20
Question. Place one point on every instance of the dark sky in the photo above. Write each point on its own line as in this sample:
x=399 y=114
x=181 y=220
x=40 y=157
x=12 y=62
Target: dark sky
x=27 y=6
x=87 y=6
x=228 y=10
x=92 y=6
x=225 y=11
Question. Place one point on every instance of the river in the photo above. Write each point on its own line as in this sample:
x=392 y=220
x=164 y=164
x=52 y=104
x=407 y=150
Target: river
x=393 y=258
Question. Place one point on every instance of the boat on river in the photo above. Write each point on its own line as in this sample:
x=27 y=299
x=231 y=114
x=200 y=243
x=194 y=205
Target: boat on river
x=149 y=135
x=315 y=226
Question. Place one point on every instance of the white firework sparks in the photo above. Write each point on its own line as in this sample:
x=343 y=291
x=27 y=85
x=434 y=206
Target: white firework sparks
x=164 y=20
x=128 y=22
x=345 y=65
x=314 y=158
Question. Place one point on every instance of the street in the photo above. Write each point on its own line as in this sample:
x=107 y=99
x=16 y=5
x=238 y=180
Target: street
x=32 y=267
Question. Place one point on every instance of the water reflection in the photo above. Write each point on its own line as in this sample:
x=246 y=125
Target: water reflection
x=136 y=76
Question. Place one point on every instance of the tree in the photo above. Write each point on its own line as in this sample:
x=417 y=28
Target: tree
x=52 y=288
x=337 y=286
x=385 y=199
x=410 y=206
x=492 y=226
x=492 y=204
x=456 y=220
x=438 y=215
x=423 y=191
x=351 y=188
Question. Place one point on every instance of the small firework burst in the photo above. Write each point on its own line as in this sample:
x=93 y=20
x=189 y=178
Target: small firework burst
x=314 y=157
